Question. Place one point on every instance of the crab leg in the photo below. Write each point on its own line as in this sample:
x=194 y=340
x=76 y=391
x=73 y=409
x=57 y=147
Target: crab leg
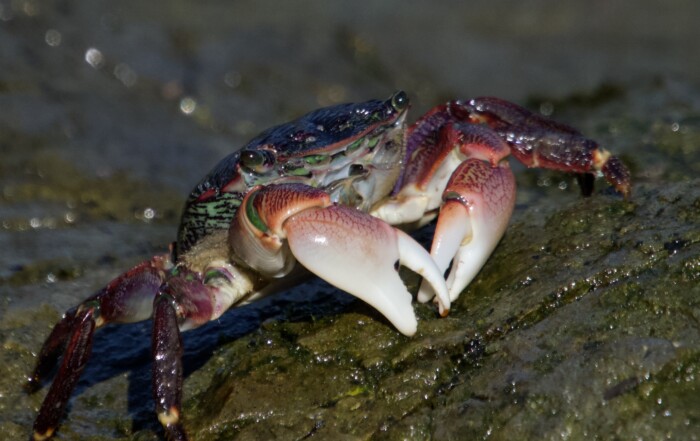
x=188 y=299
x=348 y=248
x=52 y=349
x=537 y=141
x=128 y=298
x=74 y=360
x=167 y=353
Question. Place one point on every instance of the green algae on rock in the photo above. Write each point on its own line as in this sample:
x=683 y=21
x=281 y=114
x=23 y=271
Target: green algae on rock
x=583 y=324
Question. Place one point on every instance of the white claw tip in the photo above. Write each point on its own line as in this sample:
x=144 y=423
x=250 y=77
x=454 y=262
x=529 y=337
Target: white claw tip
x=444 y=312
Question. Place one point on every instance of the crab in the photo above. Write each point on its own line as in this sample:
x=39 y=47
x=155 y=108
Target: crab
x=332 y=194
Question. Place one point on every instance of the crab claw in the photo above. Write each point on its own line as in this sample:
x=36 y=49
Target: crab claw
x=478 y=203
x=357 y=253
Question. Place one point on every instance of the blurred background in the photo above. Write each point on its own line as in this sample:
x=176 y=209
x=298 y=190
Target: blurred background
x=161 y=91
x=111 y=111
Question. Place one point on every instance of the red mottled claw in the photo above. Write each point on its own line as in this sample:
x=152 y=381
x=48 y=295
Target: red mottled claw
x=357 y=252
x=478 y=202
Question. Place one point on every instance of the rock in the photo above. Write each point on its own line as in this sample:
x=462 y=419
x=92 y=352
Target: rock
x=584 y=324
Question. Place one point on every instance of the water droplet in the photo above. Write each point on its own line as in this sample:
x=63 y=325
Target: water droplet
x=94 y=58
x=233 y=79
x=547 y=108
x=53 y=38
x=188 y=105
x=30 y=8
x=125 y=74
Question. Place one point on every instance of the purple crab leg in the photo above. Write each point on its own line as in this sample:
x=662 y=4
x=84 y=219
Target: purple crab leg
x=74 y=360
x=52 y=349
x=167 y=367
x=537 y=141
x=128 y=298
x=183 y=302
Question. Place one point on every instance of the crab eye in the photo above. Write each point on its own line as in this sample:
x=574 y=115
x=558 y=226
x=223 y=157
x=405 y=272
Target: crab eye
x=356 y=170
x=258 y=161
x=399 y=101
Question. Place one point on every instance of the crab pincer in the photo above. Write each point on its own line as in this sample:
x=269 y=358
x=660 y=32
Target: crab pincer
x=477 y=195
x=348 y=248
x=478 y=202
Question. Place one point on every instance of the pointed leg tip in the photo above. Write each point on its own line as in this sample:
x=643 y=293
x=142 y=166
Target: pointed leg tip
x=585 y=183
x=48 y=433
x=617 y=174
x=625 y=189
x=170 y=417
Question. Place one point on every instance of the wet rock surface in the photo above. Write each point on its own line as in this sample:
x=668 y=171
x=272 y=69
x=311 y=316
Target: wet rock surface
x=583 y=324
